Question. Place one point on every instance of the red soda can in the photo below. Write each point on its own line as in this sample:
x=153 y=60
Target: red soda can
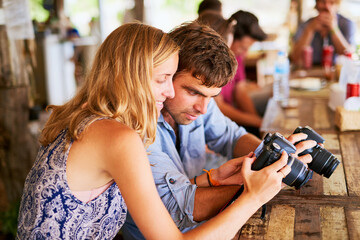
x=348 y=54
x=327 y=55
x=307 y=56
x=352 y=90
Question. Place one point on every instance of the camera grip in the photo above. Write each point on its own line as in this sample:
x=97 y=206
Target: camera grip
x=260 y=161
x=312 y=135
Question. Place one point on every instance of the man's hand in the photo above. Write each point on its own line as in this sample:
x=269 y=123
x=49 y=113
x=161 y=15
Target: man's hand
x=229 y=173
x=324 y=22
x=302 y=146
x=328 y=20
x=317 y=25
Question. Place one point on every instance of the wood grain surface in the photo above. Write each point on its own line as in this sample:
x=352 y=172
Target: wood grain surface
x=324 y=208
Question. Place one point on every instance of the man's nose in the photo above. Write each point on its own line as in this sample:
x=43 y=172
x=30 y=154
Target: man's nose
x=201 y=105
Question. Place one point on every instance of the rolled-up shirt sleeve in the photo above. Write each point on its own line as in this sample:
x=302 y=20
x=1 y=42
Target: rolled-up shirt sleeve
x=175 y=189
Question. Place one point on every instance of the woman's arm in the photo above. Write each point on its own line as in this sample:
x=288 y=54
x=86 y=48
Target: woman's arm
x=125 y=159
x=259 y=188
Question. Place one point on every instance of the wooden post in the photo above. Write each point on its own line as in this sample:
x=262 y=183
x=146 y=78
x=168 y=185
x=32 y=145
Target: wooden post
x=300 y=11
x=139 y=10
x=17 y=146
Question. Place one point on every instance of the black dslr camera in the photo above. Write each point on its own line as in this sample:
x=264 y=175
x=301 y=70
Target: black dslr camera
x=323 y=163
x=274 y=145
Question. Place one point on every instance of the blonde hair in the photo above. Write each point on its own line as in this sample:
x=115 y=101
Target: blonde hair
x=118 y=84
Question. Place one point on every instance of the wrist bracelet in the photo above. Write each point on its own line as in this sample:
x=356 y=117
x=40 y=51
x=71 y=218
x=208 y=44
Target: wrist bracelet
x=208 y=178
x=195 y=180
x=211 y=181
x=334 y=30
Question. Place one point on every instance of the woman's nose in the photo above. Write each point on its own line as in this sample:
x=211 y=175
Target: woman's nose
x=169 y=91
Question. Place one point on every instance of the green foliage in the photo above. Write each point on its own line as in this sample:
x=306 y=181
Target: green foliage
x=8 y=219
x=184 y=6
x=81 y=12
x=357 y=52
x=37 y=11
x=120 y=16
x=80 y=6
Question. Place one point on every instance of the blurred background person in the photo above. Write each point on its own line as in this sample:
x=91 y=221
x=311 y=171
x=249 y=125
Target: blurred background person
x=210 y=5
x=327 y=28
x=236 y=101
x=225 y=27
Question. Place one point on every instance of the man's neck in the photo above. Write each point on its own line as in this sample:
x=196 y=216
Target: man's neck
x=168 y=118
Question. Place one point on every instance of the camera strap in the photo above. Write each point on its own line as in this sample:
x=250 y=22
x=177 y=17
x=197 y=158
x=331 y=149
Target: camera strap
x=236 y=195
x=263 y=212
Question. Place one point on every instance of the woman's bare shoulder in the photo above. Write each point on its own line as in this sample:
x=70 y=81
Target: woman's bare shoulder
x=113 y=132
x=116 y=145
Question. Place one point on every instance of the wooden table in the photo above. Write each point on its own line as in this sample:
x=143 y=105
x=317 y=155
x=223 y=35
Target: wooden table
x=323 y=208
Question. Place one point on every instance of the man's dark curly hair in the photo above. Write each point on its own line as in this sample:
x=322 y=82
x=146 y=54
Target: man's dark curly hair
x=204 y=53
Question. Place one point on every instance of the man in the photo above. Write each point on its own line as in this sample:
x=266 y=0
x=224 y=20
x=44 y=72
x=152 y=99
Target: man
x=328 y=27
x=188 y=122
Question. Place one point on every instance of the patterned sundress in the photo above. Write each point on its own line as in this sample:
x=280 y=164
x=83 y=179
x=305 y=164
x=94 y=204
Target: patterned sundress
x=50 y=211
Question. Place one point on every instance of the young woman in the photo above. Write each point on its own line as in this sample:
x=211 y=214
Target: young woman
x=92 y=165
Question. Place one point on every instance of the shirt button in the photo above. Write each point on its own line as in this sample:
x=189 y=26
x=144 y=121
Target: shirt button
x=172 y=181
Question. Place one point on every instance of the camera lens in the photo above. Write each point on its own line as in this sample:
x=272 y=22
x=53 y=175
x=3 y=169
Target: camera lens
x=299 y=174
x=324 y=162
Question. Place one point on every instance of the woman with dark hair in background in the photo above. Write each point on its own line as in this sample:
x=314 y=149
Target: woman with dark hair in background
x=240 y=31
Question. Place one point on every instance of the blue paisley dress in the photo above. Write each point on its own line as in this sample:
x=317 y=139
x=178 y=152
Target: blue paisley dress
x=49 y=210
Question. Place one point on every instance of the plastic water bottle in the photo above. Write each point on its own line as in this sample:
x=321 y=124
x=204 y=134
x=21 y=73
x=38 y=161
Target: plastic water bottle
x=281 y=78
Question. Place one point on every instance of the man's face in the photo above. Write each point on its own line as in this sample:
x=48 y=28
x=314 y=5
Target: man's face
x=240 y=47
x=191 y=99
x=326 y=6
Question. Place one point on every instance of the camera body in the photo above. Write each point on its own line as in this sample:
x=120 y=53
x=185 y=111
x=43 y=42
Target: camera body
x=273 y=146
x=324 y=162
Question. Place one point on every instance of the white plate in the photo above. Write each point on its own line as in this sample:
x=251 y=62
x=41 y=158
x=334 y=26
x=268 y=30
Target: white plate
x=309 y=83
